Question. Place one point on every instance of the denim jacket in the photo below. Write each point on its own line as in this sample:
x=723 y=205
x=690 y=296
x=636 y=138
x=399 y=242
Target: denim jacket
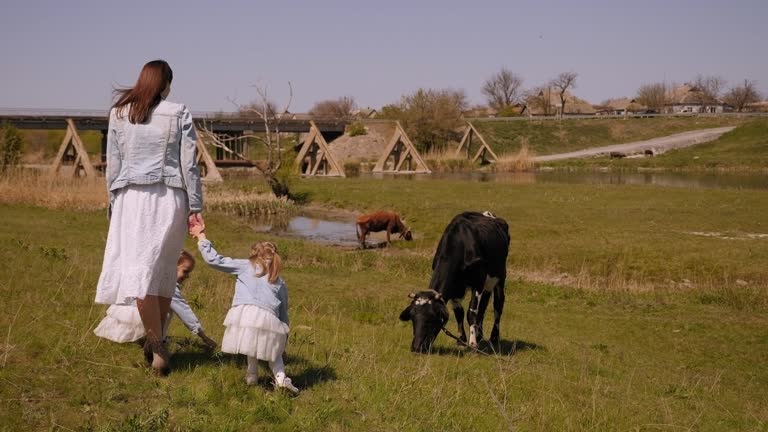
x=161 y=150
x=249 y=288
x=180 y=307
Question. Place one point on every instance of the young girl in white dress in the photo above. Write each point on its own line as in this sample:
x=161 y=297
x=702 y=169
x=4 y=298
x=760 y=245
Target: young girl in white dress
x=123 y=323
x=257 y=323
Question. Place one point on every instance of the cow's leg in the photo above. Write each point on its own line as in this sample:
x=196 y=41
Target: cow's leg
x=488 y=285
x=458 y=312
x=361 y=235
x=498 y=308
x=484 y=299
x=474 y=305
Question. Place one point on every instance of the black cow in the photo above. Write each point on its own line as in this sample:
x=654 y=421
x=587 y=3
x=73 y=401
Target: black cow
x=472 y=254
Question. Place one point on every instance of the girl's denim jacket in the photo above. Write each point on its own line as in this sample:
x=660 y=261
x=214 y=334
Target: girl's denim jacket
x=249 y=288
x=163 y=149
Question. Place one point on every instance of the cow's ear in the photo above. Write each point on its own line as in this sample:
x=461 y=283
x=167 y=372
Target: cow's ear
x=405 y=315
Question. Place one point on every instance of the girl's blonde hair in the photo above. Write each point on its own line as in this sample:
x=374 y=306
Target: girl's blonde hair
x=264 y=254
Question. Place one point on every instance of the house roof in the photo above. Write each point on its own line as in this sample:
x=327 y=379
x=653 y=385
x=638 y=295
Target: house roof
x=624 y=103
x=688 y=94
x=573 y=105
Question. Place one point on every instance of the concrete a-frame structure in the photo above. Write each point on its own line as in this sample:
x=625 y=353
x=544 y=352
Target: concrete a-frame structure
x=314 y=158
x=484 y=153
x=400 y=155
x=72 y=148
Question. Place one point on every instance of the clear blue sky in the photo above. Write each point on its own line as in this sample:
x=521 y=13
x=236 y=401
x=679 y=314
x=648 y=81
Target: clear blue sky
x=68 y=54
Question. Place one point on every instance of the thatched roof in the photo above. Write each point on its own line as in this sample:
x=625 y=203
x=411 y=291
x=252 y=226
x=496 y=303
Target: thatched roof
x=625 y=103
x=573 y=105
x=687 y=94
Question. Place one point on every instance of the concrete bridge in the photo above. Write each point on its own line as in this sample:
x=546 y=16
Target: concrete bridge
x=231 y=124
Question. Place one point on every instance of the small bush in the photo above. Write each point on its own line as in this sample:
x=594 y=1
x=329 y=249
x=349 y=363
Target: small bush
x=352 y=169
x=508 y=111
x=10 y=148
x=357 y=128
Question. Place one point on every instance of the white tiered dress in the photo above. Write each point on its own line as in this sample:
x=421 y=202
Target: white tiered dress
x=146 y=233
x=255 y=332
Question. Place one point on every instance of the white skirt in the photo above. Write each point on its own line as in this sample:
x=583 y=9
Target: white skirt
x=146 y=234
x=255 y=332
x=122 y=324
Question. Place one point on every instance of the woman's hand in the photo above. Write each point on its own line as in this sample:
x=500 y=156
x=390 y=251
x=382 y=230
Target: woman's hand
x=195 y=219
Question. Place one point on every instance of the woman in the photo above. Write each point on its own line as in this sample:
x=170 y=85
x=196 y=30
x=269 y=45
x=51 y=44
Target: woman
x=155 y=196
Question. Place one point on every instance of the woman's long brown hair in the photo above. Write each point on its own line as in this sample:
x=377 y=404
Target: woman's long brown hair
x=146 y=94
x=265 y=255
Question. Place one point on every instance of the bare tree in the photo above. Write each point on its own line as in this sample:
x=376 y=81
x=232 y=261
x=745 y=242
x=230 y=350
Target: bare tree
x=742 y=95
x=709 y=88
x=265 y=111
x=255 y=108
x=562 y=83
x=342 y=108
x=654 y=96
x=503 y=89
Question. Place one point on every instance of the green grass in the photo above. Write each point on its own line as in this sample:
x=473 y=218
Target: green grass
x=743 y=149
x=586 y=359
x=546 y=137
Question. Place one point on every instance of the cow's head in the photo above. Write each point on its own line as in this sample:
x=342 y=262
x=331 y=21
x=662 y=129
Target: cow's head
x=428 y=313
x=407 y=235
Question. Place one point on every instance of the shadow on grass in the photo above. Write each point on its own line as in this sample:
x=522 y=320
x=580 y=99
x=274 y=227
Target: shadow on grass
x=505 y=348
x=309 y=374
x=190 y=353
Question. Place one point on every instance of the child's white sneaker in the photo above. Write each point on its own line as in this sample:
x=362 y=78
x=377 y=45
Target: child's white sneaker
x=251 y=379
x=282 y=381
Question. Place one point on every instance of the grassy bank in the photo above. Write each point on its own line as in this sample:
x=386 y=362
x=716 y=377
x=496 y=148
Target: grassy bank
x=743 y=149
x=600 y=357
x=550 y=137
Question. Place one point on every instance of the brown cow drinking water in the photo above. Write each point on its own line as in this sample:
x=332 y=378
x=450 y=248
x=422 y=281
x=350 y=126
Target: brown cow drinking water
x=381 y=221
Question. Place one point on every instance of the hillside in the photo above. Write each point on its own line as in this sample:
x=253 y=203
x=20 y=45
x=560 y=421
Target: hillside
x=550 y=137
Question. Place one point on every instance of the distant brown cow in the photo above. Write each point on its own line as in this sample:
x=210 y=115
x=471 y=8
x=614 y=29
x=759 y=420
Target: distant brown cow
x=381 y=221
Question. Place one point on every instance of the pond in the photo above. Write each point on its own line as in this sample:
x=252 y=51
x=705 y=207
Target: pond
x=331 y=229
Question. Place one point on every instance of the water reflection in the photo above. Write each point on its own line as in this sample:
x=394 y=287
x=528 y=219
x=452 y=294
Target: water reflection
x=666 y=179
x=319 y=229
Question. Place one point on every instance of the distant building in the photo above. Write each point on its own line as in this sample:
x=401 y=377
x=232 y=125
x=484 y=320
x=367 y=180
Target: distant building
x=365 y=113
x=687 y=98
x=547 y=102
x=480 y=111
x=620 y=106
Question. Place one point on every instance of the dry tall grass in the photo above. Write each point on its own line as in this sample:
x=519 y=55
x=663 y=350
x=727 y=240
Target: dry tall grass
x=520 y=161
x=242 y=203
x=39 y=188
x=445 y=160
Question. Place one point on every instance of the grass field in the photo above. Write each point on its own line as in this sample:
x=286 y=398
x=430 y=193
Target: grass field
x=743 y=149
x=546 y=137
x=650 y=330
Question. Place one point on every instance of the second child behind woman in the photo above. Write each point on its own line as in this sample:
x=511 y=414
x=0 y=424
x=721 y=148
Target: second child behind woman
x=257 y=323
